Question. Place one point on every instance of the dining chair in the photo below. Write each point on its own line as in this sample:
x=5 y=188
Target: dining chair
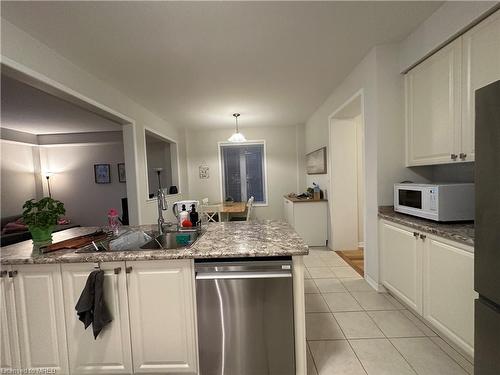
x=249 y=211
x=249 y=208
x=210 y=213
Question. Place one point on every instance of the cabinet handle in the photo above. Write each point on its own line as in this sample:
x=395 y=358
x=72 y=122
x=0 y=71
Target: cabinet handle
x=423 y=237
x=128 y=269
x=117 y=270
x=415 y=234
x=463 y=156
x=3 y=273
x=12 y=273
x=454 y=156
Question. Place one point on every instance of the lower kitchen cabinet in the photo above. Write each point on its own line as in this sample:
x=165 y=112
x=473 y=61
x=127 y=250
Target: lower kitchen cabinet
x=401 y=263
x=449 y=291
x=162 y=316
x=309 y=219
x=38 y=306
x=110 y=353
x=152 y=304
x=9 y=344
x=434 y=277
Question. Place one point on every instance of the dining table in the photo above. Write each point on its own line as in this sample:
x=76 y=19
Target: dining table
x=226 y=209
x=229 y=208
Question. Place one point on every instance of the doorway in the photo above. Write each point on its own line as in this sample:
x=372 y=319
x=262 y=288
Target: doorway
x=114 y=166
x=347 y=182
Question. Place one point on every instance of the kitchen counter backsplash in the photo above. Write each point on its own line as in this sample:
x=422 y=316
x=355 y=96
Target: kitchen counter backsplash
x=221 y=240
x=459 y=232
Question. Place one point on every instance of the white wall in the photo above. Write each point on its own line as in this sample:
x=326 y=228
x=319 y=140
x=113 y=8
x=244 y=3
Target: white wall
x=360 y=175
x=282 y=164
x=344 y=192
x=377 y=77
x=73 y=183
x=17 y=177
x=23 y=52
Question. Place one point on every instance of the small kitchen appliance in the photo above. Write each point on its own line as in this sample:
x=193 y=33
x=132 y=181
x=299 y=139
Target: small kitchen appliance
x=438 y=202
x=184 y=215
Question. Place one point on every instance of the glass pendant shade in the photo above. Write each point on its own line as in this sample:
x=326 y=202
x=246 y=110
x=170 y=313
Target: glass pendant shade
x=237 y=136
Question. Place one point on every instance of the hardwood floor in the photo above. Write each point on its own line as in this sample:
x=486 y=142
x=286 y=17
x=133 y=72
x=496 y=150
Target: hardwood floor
x=355 y=258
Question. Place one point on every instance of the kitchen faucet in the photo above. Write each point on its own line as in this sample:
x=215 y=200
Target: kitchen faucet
x=162 y=202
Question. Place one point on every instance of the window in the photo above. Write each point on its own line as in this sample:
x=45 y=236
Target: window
x=243 y=171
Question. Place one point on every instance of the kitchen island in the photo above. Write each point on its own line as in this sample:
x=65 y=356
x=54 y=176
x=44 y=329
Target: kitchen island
x=150 y=294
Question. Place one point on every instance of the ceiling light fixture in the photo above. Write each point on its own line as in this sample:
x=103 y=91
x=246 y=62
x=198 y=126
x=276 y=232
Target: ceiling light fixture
x=237 y=136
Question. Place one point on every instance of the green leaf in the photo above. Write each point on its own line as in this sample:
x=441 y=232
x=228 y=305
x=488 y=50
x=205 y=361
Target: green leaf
x=43 y=213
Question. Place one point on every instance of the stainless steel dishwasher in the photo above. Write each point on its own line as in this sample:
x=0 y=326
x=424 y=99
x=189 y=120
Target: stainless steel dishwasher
x=245 y=317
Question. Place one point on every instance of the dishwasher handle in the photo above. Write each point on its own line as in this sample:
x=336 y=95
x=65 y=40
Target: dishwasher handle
x=242 y=275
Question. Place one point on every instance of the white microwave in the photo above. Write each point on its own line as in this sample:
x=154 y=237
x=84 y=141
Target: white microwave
x=439 y=202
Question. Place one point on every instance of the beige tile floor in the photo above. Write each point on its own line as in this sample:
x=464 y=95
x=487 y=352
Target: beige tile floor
x=352 y=329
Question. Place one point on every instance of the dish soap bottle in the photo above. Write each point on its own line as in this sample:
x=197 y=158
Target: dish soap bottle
x=183 y=216
x=193 y=215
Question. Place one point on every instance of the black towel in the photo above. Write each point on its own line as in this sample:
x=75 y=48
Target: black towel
x=91 y=307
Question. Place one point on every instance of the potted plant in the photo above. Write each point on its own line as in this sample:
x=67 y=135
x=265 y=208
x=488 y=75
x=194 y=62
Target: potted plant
x=41 y=217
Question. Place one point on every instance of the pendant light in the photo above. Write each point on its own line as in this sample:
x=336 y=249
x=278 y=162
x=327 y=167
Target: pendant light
x=237 y=136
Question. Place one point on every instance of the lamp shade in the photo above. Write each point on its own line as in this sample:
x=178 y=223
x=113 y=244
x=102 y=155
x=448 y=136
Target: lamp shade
x=237 y=136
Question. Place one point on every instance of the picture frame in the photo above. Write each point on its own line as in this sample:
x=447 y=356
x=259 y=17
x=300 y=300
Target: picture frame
x=316 y=161
x=102 y=173
x=204 y=171
x=122 y=175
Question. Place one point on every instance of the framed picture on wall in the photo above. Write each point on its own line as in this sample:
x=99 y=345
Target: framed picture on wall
x=102 y=173
x=122 y=177
x=316 y=161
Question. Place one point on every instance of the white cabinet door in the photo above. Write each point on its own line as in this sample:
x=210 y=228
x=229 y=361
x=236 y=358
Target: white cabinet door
x=401 y=265
x=288 y=207
x=449 y=291
x=110 y=353
x=481 y=66
x=9 y=350
x=433 y=108
x=40 y=317
x=162 y=316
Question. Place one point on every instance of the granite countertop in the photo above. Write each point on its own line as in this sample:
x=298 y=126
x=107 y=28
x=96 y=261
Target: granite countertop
x=462 y=232
x=221 y=240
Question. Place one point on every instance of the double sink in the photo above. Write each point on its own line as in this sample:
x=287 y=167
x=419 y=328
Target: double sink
x=169 y=240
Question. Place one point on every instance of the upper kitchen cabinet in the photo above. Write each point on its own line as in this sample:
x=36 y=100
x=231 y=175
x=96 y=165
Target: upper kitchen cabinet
x=481 y=66
x=433 y=108
x=440 y=96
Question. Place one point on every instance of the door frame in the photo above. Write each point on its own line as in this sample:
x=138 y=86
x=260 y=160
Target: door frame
x=26 y=75
x=358 y=95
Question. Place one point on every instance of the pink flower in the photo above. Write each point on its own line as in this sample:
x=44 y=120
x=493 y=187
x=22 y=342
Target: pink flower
x=112 y=212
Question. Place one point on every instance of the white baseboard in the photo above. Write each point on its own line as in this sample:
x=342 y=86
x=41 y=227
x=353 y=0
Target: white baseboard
x=361 y=244
x=375 y=285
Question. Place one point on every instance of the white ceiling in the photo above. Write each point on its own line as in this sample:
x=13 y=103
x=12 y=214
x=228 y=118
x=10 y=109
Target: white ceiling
x=27 y=109
x=195 y=63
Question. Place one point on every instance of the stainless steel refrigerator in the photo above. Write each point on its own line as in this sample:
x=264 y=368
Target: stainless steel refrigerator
x=487 y=230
